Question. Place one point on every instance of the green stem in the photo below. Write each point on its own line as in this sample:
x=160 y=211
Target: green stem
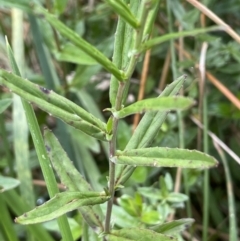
x=112 y=150
x=206 y=172
x=138 y=39
x=121 y=92
x=233 y=230
x=179 y=113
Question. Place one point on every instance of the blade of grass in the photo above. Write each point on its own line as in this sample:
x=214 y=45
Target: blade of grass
x=179 y=113
x=81 y=43
x=166 y=37
x=204 y=116
x=6 y=221
x=20 y=128
x=233 y=231
x=52 y=81
x=18 y=206
x=42 y=154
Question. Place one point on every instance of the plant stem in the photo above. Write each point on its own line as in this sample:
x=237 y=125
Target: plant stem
x=233 y=231
x=138 y=39
x=112 y=150
x=122 y=89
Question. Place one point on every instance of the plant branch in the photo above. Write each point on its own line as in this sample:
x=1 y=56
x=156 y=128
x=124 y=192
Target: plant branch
x=112 y=150
x=138 y=39
x=122 y=88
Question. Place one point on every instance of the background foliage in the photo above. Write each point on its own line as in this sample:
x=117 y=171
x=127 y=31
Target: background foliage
x=53 y=62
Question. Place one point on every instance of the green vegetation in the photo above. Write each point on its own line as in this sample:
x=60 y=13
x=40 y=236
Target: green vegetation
x=141 y=97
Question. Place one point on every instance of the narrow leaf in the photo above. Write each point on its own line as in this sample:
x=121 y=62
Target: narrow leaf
x=25 y=5
x=72 y=179
x=7 y=183
x=69 y=53
x=65 y=169
x=18 y=205
x=51 y=97
x=123 y=44
x=147 y=129
x=136 y=234
x=166 y=37
x=151 y=122
x=173 y=227
x=60 y=204
x=156 y=104
x=4 y=104
x=165 y=157
x=151 y=18
x=175 y=197
x=55 y=105
x=81 y=43
x=123 y=10
x=41 y=153
x=119 y=43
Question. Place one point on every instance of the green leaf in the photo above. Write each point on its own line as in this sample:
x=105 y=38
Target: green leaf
x=45 y=59
x=151 y=17
x=72 y=179
x=119 y=44
x=175 y=197
x=132 y=206
x=136 y=234
x=60 y=204
x=165 y=157
x=166 y=37
x=72 y=54
x=156 y=104
x=123 y=44
x=7 y=227
x=163 y=187
x=81 y=43
x=4 y=104
x=173 y=227
x=7 y=183
x=123 y=10
x=147 y=129
x=60 y=5
x=55 y=105
x=18 y=206
x=65 y=169
x=152 y=121
x=41 y=153
x=22 y=4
